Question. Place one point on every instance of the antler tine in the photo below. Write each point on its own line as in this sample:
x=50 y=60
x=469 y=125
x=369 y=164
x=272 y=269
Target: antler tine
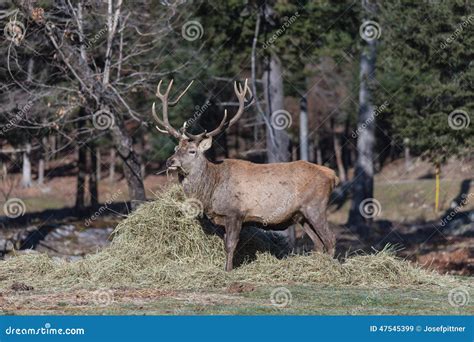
x=158 y=93
x=195 y=137
x=236 y=88
x=155 y=116
x=240 y=87
x=158 y=90
x=173 y=103
x=220 y=127
x=168 y=129
x=161 y=130
x=164 y=99
x=247 y=88
x=241 y=96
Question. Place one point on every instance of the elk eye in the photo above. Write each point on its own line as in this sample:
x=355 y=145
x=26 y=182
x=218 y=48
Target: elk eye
x=192 y=152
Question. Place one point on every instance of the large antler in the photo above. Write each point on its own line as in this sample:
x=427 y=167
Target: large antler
x=168 y=129
x=241 y=93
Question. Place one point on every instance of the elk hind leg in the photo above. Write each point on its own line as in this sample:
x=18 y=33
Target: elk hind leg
x=319 y=224
x=317 y=243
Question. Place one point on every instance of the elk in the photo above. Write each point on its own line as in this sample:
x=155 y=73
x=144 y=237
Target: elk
x=235 y=193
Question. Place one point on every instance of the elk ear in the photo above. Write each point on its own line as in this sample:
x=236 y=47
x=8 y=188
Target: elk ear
x=205 y=144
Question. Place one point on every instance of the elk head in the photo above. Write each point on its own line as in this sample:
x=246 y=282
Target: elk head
x=189 y=153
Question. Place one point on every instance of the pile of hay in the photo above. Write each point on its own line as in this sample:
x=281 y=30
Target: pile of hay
x=158 y=246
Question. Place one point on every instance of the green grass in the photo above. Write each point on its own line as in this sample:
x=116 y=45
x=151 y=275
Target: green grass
x=306 y=300
x=38 y=204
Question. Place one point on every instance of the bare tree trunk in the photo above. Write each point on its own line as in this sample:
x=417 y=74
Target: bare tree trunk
x=112 y=165
x=319 y=153
x=347 y=147
x=278 y=140
x=81 y=177
x=131 y=164
x=81 y=166
x=312 y=157
x=4 y=171
x=338 y=153
x=42 y=163
x=26 y=168
x=98 y=165
x=41 y=171
x=363 y=183
x=93 y=184
x=52 y=145
x=26 y=180
x=140 y=151
x=304 y=155
x=407 y=154
x=4 y=175
x=132 y=167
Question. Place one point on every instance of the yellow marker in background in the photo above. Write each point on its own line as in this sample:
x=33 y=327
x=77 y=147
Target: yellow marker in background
x=437 y=173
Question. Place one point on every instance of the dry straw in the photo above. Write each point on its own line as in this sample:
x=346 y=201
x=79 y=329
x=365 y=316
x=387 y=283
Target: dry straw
x=157 y=246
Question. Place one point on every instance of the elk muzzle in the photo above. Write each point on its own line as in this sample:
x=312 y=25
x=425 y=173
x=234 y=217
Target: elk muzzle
x=172 y=163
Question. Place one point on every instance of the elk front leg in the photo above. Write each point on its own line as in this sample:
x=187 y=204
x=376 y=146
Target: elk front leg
x=231 y=239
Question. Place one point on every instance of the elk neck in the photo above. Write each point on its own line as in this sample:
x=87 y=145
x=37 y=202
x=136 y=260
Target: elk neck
x=201 y=181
